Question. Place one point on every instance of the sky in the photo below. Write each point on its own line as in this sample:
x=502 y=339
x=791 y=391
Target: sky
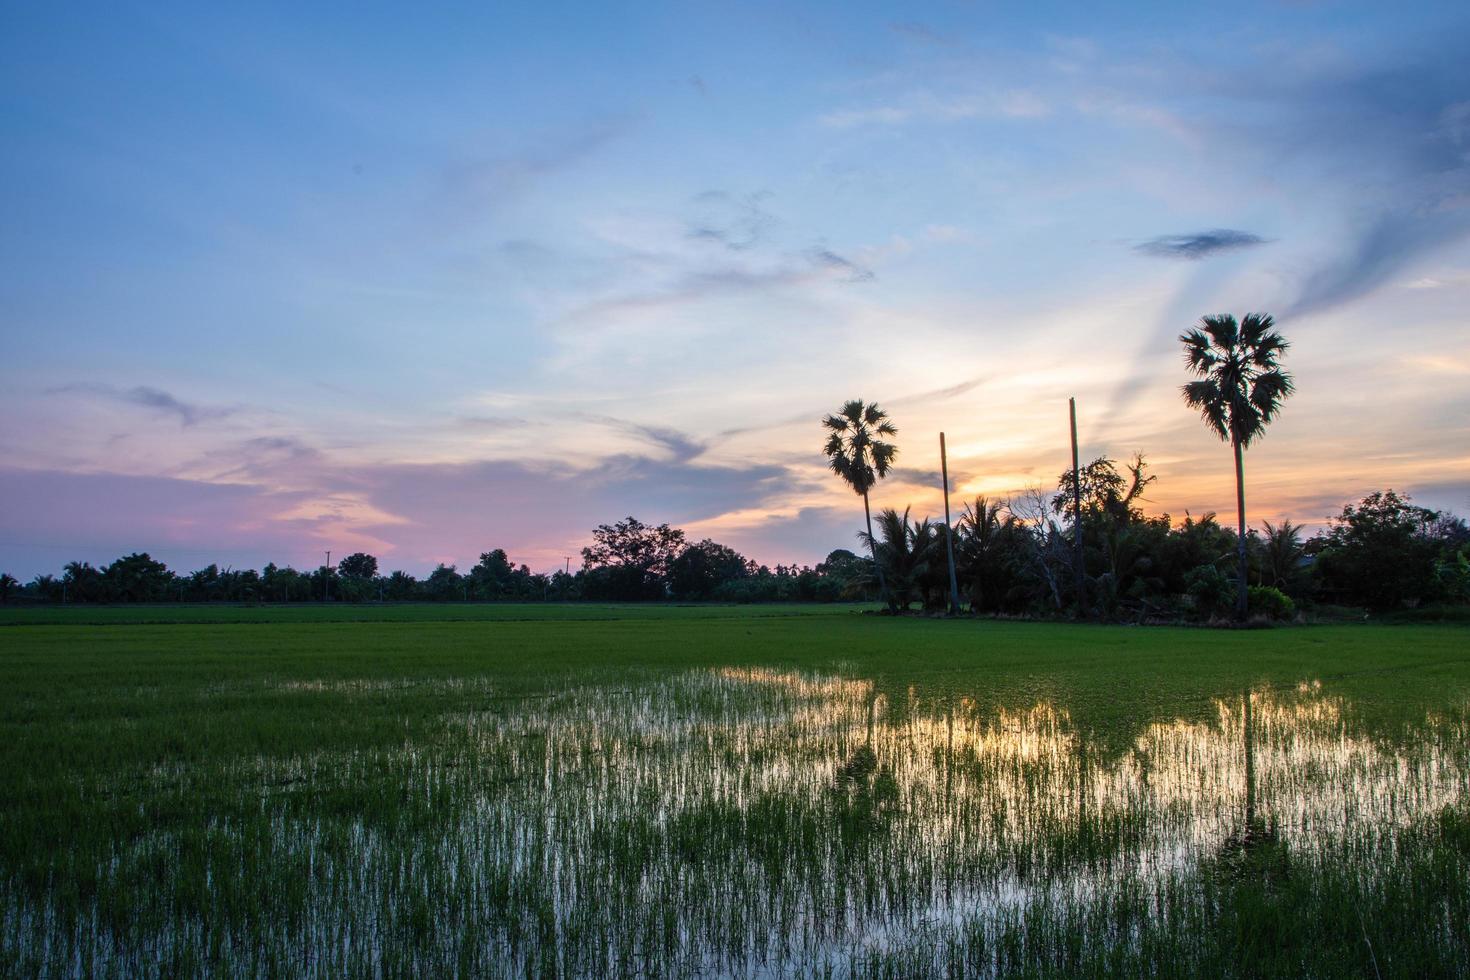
x=433 y=279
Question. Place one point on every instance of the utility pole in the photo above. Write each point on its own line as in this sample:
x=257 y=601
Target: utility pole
x=1078 y=569
x=954 y=587
x=327 y=579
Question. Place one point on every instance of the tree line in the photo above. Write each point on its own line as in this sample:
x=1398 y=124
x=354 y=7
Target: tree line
x=627 y=561
x=1088 y=549
x=1085 y=549
x=1016 y=556
x=1012 y=557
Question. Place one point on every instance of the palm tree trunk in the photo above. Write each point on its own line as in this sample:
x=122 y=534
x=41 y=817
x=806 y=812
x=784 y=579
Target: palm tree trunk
x=1242 y=596
x=873 y=550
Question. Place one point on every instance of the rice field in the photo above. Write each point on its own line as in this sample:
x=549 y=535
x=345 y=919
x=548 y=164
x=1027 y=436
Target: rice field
x=672 y=792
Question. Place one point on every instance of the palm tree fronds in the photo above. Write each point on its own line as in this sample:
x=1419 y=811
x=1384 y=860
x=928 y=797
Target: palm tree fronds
x=1222 y=328
x=1205 y=396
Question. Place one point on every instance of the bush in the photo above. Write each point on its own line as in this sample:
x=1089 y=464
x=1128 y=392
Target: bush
x=1270 y=602
x=1212 y=590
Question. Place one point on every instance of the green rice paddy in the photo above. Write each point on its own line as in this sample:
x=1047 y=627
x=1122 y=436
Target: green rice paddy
x=715 y=791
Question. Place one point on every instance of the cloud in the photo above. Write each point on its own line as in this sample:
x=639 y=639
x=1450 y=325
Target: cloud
x=925 y=107
x=728 y=282
x=737 y=223
x=1386 y=247
x=492 y=422
x=851 y=271
x=942 y=394
x=53 y=517
x=538 y=512
x=807 y=536
x=915 y=31
x=1390 y=140
x=411 y=515
x=1199 y=244
x=154 y=399
x=491 y=179
x=679 y=445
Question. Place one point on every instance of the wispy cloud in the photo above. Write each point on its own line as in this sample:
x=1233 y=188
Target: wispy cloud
x=736 y=222
x=850 y=270
x=154 y=399
x=493 y=178
x=699 y=285
x=941 y=394
x=680 y=446
x=1199 y=244
x=924 y=34
x=1389 y=245
x=1392 y=138
x=919 y=107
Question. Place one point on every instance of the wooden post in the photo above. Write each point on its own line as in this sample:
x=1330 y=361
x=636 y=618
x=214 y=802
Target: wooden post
x=1079 y=570
x=954 y=587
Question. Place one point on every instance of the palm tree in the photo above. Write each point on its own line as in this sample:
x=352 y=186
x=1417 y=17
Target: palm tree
x=906 y=550
x=856 y=454
x=1239 y=391
x=1283 y=553
x=985 y=532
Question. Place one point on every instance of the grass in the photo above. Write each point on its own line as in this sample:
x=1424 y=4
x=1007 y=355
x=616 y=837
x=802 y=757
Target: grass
x=662 y=791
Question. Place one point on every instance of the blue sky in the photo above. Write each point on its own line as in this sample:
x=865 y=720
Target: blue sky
x=428 y=282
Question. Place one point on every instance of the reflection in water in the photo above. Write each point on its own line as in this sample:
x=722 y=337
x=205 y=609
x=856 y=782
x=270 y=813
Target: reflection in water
x=750 y=821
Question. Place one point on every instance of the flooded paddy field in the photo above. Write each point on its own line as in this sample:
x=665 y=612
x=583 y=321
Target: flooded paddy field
x=763 y=792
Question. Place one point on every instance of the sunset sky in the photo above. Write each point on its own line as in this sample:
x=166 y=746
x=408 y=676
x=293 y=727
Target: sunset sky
x=425 y=280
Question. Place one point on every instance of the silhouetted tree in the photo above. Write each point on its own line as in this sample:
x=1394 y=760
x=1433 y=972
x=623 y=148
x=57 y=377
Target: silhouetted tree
x=856 y=454
x=1281 y=557
x=82 y=582
x=359 y=566
x=493 y=577
x=1381 y=552
x=444 y=584
x=46 y=587
x=1239 y=392
x=990 y=545
x=629 y=560
x=1049 y=562
x=904 y=553
x=137 y=578
x=844 y=575
x=400 y=587
x=8 y=587
x=1105 y=492
x=703 y=567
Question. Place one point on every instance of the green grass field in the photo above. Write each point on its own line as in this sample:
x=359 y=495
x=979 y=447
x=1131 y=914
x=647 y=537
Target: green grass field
x=669 y=791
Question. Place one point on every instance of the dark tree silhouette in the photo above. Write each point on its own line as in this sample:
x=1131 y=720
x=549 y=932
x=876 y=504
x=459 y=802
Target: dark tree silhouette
x=905 y=552
x=1239 y=391
x=358 y=566
x=703 y=567
x=857 y=454
x=632 y=559
x=1282 y=556
x=138 y=578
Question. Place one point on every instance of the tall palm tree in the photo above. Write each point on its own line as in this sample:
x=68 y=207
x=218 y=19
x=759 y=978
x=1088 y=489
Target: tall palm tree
x=857 y=454
x=1239 y=391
